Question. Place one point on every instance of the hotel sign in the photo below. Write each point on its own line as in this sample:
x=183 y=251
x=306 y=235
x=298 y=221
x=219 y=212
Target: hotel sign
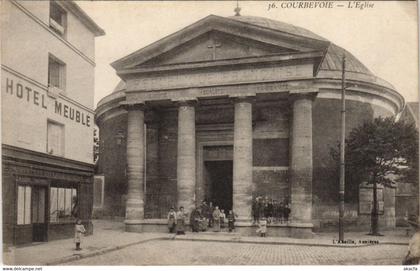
x=36 y=98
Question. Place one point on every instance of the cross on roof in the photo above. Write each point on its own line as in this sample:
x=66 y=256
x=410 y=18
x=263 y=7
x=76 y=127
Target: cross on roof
x=214 y=46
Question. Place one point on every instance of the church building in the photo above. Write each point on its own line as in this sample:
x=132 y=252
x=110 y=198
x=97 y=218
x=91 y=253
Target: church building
x=231 y=108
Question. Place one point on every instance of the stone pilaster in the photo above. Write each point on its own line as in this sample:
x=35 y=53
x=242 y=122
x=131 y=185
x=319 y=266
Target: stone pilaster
x=389 y=207
x=135 y=164
x=186 y=174
x=300 y=166
x=242 y=159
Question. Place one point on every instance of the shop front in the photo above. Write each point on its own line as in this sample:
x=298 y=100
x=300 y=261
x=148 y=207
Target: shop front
x=43 y=196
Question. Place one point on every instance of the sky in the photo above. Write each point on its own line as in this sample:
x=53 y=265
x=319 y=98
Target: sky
x=384 y=37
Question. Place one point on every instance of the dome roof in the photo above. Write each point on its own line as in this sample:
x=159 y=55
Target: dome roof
x=277 y=25
x=333 y=58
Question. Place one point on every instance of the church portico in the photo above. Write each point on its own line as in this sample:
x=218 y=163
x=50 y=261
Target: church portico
x=214 y=155
x=213 y=114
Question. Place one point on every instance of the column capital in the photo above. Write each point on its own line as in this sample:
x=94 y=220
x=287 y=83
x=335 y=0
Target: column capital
x=242 y=98
x=185 y=102
x=132 y=106
x=309 y=93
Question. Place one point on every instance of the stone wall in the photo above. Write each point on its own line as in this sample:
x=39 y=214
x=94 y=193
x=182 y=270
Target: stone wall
x=112 y=163
x=162 y=195
x=271 y=152
x=326 y=135
x=406 y=202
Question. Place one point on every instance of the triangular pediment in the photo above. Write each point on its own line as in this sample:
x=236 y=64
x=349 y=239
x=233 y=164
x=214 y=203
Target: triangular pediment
x=216 y=45
x=218 y=38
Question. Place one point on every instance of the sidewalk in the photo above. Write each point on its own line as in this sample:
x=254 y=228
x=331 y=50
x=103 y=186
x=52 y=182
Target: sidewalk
x=109 y=236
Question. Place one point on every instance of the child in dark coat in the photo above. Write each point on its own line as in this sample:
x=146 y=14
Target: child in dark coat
x=231 y=221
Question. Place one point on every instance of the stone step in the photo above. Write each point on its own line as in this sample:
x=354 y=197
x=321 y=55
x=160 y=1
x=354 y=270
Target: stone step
x=219 y=233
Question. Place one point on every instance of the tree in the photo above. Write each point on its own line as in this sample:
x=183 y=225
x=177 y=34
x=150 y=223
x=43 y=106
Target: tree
x=380 y=150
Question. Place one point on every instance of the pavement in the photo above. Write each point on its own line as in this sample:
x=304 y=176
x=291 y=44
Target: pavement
x=187 y=253
x=109 y=236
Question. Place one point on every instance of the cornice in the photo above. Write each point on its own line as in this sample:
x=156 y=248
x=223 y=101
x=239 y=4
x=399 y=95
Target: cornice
x=275 y=59
x=83 y=17
x=366 y=88
x=29 y=156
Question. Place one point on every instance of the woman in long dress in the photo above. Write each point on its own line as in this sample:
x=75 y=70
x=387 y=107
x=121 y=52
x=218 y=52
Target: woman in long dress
x=216 y=219
x=180 y=221
x=195 y=220
x=171 y=220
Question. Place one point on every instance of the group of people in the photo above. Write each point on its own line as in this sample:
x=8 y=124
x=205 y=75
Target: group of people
x=264 y=211
x=201 y=218
x=269 y=209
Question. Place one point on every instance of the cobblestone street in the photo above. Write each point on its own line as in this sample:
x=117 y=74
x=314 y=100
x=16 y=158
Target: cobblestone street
x=216 y=253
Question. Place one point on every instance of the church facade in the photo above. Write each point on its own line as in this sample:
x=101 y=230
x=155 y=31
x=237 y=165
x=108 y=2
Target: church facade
x=231 y=108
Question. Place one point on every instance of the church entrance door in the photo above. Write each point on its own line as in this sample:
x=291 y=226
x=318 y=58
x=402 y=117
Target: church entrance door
x=219 y=175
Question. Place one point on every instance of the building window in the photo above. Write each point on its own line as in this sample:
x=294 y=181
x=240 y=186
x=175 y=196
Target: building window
x=56 y=73
x=98 y=191
x=58 y=19
x=55 y=138
x=24 y=205
x=63 y=204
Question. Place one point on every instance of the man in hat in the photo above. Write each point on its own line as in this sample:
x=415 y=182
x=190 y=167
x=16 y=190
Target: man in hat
x=195 y=220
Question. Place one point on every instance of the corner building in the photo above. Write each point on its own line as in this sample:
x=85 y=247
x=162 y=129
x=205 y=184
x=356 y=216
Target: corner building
x=47 y=90
x=230 y=108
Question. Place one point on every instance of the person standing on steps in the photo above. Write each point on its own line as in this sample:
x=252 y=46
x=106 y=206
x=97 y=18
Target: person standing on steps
x=210 y=214
x=222 y=218
x=216 y=219
x=171 y=220
x=287 y=211
x=262 y=227
x=195 y=220
x=180 y=221
x=231 y=221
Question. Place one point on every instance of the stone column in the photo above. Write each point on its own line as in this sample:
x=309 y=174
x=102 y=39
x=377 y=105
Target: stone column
x=135 y=165
x=242 y=159
x=152 y=170
x=186 y=155
x=300 y=167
